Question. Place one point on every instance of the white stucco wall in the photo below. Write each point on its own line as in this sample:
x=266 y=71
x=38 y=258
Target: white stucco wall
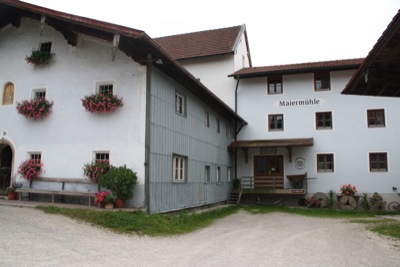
x=241 y=59
x=350 y=140
x=68 y=138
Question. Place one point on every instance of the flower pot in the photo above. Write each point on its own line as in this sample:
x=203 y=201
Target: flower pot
x=100 y=205
x=120 y=204
x=109 y=206
x=12 y=195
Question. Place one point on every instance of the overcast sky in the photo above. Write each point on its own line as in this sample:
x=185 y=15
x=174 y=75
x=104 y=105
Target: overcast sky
x=279 y=31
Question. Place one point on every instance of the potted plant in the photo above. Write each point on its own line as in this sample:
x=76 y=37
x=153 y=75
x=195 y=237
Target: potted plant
x=348 y=200
x=121 y=181
x=38 y=57
x=93 y=170
x=104 y=200
x=35 y=108
x=11 y=194
x=101 y=103
x=30 y=169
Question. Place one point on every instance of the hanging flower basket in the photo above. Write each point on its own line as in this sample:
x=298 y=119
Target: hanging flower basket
x=30 y=169
x=35 y=108
x=101 y=103
x=38 y=57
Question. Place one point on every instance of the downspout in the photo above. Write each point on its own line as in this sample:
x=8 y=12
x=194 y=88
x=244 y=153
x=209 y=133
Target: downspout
x=236 y=132
x=147 y=134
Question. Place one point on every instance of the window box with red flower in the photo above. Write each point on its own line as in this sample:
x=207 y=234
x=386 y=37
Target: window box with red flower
x=30 y=169
x=101 y=103
x=39 y=57
x=35 y=108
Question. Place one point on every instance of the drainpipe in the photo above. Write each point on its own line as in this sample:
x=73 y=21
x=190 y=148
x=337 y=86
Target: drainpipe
x=236 y=132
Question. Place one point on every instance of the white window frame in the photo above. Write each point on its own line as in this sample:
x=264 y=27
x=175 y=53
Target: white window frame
x=180 y=104
x=103 y=155
x=207 y=119
x=229 y=174
x=35 y=155
x=178 y=169
x=218 y=175
x=37 y=92
x=229 y=131
x=207 y=173
x=105 y=83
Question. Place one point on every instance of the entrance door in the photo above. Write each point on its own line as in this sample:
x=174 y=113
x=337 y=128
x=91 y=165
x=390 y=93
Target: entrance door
x=268 y=172
x=5 y=166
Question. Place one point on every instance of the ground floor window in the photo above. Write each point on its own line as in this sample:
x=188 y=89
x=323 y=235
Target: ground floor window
x=35 y=155
x=178 y=168
x=325 y=163
x=218 y=175
x=378 y=162
x=102 y=156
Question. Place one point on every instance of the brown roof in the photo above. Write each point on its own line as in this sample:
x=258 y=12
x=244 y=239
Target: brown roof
x=201 y=44
x=134 y=43
x=298 y=68
x=273 y=143
x=380 y=72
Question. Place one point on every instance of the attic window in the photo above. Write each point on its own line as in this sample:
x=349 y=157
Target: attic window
x=45 y=47
x=322 y=81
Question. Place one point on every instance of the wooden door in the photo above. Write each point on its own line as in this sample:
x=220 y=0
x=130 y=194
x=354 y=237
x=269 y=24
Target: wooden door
x=268 y=171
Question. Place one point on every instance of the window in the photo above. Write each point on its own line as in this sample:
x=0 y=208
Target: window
x=39 y=94
x=218 y=175
x=105 y=89
x=102 y=156
x=8 y=94
x=35 y=155
x=323 y=120
x=207 y=118
x=207 y=173
x=275 y=85
x=228 y=130
x=178 y=168
x=45 y=47
x=322 y=81
x=325 y=162
x=218 y=126
x=378 y=162
x=275 y=122
x=179 y=104
x=229 y=174
x=376 y=118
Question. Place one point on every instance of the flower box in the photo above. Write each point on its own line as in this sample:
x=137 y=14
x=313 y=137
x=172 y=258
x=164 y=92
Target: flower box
x=101 y=103
x=38 y=57
x=30 y=169
x=35 y=108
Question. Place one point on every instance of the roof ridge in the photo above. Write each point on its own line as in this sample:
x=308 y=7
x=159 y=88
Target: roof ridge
x=312 y=62
x=203 y=31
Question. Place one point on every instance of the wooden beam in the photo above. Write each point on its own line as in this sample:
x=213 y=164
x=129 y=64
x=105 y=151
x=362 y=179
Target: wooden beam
x=70 y=36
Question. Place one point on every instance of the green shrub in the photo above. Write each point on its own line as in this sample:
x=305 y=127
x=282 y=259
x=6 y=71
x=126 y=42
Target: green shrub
x=365 y=201
x=120 y=180
x=377 y=202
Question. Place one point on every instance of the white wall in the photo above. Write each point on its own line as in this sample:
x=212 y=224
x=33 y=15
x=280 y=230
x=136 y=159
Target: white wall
x=350 y=140
x=69 y=136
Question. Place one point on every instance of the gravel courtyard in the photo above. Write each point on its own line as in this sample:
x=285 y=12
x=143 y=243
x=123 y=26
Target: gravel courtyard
x=30 y=237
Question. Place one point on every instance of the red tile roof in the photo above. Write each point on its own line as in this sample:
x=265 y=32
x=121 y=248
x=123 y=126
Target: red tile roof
x=201 y=44
x=299 y=68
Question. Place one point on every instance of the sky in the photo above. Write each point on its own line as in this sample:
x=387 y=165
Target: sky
x=279 y=31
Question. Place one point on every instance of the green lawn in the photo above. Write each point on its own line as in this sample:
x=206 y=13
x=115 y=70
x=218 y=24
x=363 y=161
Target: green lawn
x=137 y=222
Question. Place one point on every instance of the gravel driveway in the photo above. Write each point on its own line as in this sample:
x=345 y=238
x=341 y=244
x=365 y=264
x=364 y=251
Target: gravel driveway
x=30 y=237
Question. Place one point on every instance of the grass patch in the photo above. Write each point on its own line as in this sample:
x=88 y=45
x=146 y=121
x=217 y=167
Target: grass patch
x=321 y=213
x=141 y=223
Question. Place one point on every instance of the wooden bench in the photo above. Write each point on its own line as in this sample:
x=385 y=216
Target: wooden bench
x=59 y=185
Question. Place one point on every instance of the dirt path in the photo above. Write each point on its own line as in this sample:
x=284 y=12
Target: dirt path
x=30 y=237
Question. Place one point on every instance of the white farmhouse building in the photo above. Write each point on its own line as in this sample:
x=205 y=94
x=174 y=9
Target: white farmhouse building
x=196 y=113
x=159 y=132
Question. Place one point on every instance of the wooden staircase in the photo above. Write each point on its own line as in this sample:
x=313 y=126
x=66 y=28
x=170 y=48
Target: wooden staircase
x=234 y=196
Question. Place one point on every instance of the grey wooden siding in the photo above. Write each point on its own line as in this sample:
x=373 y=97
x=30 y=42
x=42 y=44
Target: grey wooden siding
x=188 y=136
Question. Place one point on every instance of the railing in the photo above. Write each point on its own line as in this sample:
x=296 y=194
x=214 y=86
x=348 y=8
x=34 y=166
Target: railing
x=266 y=182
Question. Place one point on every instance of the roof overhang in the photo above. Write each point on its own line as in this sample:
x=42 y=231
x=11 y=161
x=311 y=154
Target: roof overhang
x=271 y=143
x=379 y=75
